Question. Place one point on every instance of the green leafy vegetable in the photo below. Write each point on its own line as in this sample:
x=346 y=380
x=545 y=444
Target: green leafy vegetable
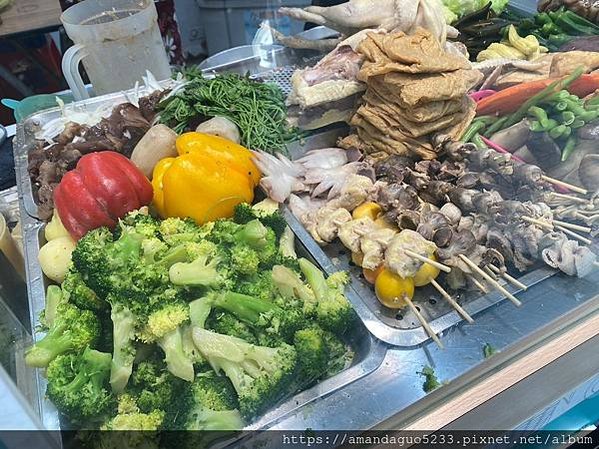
x=258 y=109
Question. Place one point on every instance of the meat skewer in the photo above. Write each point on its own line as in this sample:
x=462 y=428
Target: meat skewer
x=428 y=260
x=507 y=277
x=575 y=235
x=490 y=280
x=458 y=308
x=427 y=327
x=568 y=186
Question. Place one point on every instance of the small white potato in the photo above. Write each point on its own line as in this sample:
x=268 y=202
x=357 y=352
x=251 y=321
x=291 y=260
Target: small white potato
x=55 y=257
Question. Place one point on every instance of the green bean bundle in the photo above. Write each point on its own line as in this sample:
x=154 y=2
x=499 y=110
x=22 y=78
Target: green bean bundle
x=258 y=109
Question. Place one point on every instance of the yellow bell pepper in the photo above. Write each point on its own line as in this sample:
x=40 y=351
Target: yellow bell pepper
x=238 y=157
x=206 y=182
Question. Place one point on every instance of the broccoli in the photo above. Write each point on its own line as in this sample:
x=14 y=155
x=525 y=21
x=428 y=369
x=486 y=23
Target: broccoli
x=153 y=386
x=259 y=286
x=80 y=294
x=264 y=315
x=333 y=311
x=72 y=329
x=253 y=234
x=155 y=251
x=228 y=324
x=130 y=417
x=431 y=382
x=78 y=385
x=165 y=327
x=244 y=260
x=123 y=321
x=138 y=222
x=211 y=405
x=287 y=244
x=291 y=287
x=267 y=211
x=175 y=231
x=105 y=263
x=54 y=298
x=340 y=354
x=202 y=271
x=312 y=354
x=259 y=374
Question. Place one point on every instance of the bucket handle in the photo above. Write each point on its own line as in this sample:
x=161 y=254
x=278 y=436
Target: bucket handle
x=70 y=68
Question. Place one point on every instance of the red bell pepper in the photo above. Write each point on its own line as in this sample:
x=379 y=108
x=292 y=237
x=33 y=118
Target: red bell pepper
x=101 y=189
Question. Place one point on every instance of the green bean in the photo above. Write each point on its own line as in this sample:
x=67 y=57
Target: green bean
x=486 y=119
x=478 y=141
x=557 y=132
x=589 y=116
x=541 y=96
x=472 y=130
x=569 y=148
x=536 y=127
x=568 y=117
x=540 y=115
x=497 y=126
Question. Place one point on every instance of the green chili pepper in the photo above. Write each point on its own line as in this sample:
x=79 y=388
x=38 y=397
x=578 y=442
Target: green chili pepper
x=569 y=148
x=558 y=96
x=578 y=124
x=568 y=117
x=561 y=106
x=593 y=101
x=541 y=96
x=575 y=107
x=581 y=21
x=472 y=130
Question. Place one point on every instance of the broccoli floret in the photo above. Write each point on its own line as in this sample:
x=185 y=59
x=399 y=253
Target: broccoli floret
x=130 y=417
x=291 y=287
x=164 y=327
x=287 y=244
x=226 y=323
x=123 y=321
x=138 y=222
x=312 y=354
x=259 y=374
x=203 y=271
x=105 y=264
x=264 y=315
x=244 y=260
x=267 y=211
x=175 y=231
x=78 y=386
x=153 y=386
x=211 y=405
x=54 y=298
x=72 y=330
x=341 y=355
x=333 y=311
x=431 y=382
x=80 y=294
x=259 y=286
x=155 y=251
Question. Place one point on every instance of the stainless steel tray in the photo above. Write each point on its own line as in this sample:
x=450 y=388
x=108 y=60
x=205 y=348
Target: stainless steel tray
x=369 y=352
x=400 y=328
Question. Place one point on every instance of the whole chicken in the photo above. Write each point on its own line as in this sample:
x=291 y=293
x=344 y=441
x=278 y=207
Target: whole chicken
x=389 y=15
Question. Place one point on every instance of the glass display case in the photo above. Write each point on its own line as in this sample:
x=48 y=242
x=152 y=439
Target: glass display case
x=527 y=367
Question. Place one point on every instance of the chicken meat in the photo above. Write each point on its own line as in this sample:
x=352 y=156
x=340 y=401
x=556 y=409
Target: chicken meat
x=402 y=264
x=373 y=247
x=352 y=232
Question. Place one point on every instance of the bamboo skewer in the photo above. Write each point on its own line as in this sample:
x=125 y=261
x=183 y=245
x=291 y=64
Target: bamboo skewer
x=452 y=301
x=508 y=278
x=423 y=259
x=570 y=197
x=540 y=223
x=427 y=327
x=478 y=284
x=490 y=280
x=575 y=235
x=557 y=182
x=572 y=226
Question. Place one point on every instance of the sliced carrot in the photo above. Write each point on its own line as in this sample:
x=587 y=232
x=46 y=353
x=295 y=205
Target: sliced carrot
x=509 y=100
